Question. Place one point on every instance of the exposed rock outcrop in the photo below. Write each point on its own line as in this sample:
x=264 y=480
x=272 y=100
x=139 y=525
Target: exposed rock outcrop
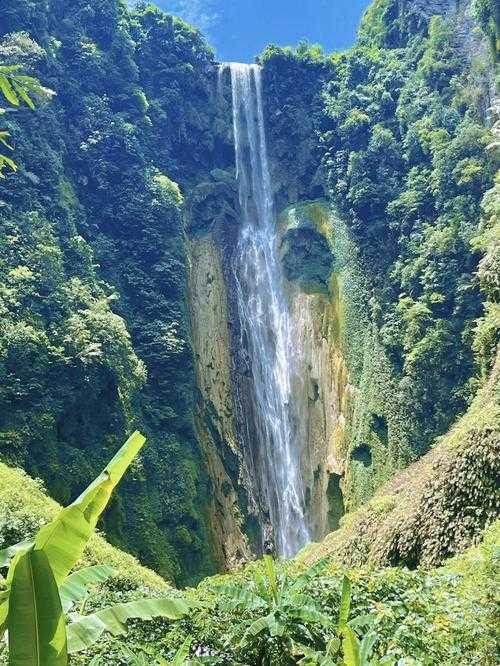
x=215 y=410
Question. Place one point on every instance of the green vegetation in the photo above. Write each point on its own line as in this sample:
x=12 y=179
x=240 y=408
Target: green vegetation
x=436 y=507
x=488 y=14
x=16 y=87
x=94 y=334
x=134 y=153
x=442 y=617
x=39 y=587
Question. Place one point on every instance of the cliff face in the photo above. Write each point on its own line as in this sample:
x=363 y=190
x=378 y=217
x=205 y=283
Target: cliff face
x=316 y=303
x=215 y=418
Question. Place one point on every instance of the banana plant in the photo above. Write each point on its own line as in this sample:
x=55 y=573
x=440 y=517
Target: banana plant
x=356 y=652
x=40 y=587
x=147 y=658
x=287 y=614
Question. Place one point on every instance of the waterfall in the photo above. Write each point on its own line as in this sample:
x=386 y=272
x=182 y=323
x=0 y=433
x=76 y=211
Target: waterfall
x=265 y=327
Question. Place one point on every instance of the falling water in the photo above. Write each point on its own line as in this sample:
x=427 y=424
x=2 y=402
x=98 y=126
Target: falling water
x=265 y=323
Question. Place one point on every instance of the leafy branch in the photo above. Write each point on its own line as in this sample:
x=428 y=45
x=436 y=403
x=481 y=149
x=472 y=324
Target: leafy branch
x=17 y=88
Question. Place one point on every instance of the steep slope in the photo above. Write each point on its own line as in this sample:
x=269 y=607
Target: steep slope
x=25 y=507
x=435 y=508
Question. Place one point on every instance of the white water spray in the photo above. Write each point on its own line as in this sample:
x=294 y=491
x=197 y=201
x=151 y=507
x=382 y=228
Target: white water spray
x=265 y=323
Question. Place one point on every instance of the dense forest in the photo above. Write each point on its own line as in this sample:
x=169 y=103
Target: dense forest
x=348 y=399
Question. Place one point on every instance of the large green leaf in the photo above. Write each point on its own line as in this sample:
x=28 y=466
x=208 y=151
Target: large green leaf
x=37 y=632
x=75 y=587
x=85 y=631
x=64 y=539
x=311 y=573
x=4 y=611
x=271 y=576
x=256 y=628
x=306 y=614
x=8 y=91
x=235 y=597
x=276 y=628
x=182 y=653
x=23 y=94
x=366 y=648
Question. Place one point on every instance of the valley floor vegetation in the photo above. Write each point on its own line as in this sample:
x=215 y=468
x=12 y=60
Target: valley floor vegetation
x=271 y=613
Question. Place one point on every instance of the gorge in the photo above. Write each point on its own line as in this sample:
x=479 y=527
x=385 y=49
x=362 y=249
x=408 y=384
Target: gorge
x=278 y=284
x=279 y=272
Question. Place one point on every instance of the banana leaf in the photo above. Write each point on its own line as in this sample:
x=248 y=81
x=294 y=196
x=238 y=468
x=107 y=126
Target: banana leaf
x=345 y=603
x=271 y=575
x=37 y=632
x=306 y=614
x=76 y=585
x=7 y=554
x=85 y=631
x=256 y=628
x=64 y=539
x=182 y=653
x=350 y=644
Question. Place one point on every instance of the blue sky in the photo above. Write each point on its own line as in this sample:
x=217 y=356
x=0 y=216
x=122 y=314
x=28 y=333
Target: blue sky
x=239 y=29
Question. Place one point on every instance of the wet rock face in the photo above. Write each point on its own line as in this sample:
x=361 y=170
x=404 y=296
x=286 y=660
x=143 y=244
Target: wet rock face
x=316 y=306
x=215 y=418
x=307 y=259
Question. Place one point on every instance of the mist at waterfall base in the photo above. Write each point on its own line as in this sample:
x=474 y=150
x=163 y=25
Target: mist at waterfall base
x=240 y=29
x=265 y=327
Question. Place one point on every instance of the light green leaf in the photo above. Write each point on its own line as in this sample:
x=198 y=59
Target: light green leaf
x=75 y=587
x=276 y=628
x=37 y=633
x=7 y=554
x=271 y=575
x=345 y=602
x=23 y=94
x=366 y=648
x=7 y=160
x=351 y=647
x=311 y=573
x=85 y=631
x=333 y=647
x=310 y=615
x=64 y=539
x=3 y=140
x=4 y=611
x=182 y=653
x=260 y=584
x=9 y=69
x=236 y=597
x=8 y=91
x=256 y=628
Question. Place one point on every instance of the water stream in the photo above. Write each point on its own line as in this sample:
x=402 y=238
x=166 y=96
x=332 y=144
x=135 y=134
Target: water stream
x=266 y=331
